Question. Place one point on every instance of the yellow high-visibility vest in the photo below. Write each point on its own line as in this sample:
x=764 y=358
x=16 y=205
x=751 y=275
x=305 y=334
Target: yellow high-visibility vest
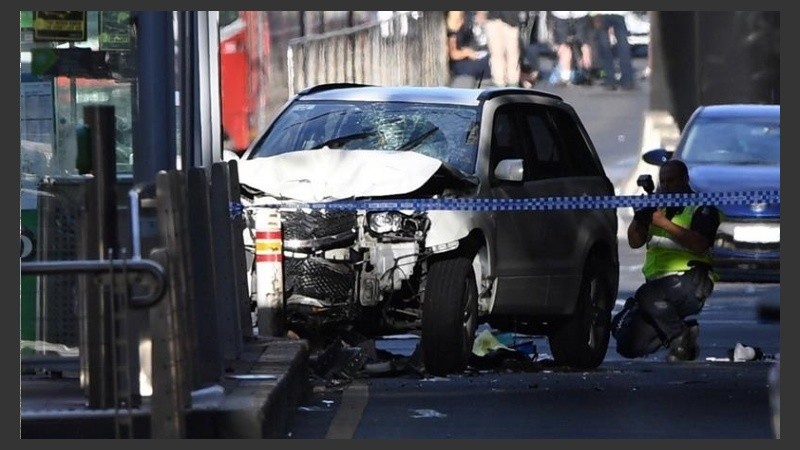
x=665 y=256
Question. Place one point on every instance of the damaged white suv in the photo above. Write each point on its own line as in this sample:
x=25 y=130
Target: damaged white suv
x=438 y=271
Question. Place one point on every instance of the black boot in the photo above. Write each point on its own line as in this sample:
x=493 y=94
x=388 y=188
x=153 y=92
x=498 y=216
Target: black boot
x=684 y=347
x=616 y=321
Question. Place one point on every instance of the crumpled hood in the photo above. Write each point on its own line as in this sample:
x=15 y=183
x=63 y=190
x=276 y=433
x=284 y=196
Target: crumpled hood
x=326 y=174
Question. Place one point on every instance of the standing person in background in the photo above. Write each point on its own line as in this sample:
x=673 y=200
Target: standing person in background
x=502 y=33
x=570 y=28
x=467 y=62
x=606 y=22
x=477 y=20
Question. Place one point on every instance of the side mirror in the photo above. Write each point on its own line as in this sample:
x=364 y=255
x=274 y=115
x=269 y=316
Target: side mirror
x=229 y=155
x=657 y=157
x=509 y=170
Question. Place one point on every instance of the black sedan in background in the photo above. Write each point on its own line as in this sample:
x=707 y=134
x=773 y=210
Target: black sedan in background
x=736 y=147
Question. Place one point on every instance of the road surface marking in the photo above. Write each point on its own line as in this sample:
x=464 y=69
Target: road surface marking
x=354 y=400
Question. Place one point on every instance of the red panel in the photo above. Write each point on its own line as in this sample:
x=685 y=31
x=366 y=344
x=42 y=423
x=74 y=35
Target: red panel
x=233 y=80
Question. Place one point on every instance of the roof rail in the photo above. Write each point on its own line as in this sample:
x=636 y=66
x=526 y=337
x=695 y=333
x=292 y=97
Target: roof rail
x=491 y=93
x=329 y=86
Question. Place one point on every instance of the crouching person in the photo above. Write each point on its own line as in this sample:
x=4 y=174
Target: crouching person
x=677 y=271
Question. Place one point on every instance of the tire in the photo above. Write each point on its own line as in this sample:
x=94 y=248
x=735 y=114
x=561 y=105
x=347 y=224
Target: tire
x=449 y=315
x=582 y=341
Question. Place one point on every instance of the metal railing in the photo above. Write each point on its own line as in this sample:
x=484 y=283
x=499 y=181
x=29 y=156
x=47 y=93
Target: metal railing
x=129 y=268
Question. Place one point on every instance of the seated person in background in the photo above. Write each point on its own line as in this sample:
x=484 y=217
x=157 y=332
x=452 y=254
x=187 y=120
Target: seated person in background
x=467 y=63
x=571 y=36
x=531 y=49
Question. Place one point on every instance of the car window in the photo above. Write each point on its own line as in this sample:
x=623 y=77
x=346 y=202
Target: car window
x=506 y=142
x=732 y=141
x=546 y=154
x=579 y=158
x=444 y=132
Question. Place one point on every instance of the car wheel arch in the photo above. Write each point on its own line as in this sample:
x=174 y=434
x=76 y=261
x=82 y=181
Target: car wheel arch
x=600 y=251
x=568 y=340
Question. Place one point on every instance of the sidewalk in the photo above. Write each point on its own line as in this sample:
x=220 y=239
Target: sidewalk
x=256 y=398
x=660 y=131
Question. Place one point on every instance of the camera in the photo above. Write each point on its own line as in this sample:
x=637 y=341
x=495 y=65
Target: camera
x=644 y=215
x=646 y=182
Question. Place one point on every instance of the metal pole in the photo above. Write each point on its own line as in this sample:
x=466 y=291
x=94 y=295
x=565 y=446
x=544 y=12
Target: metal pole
x=187 y=43
x=155 y=135
x=101 y=122
x=99 y=321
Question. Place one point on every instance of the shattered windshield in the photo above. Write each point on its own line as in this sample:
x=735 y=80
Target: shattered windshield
x=445 y=132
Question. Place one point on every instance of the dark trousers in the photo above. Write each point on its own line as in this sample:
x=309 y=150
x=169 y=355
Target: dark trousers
x=476 y=68
x=657 y=311
x=530 y=61
x=616 y=23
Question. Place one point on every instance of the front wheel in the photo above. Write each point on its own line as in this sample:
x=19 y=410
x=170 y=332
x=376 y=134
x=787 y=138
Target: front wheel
x=582 y=341
x=449 y=315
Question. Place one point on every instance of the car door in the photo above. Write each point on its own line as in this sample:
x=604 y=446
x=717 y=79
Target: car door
x=522 y=238
x=541 y=253
x=566 y=166
x=552 y=175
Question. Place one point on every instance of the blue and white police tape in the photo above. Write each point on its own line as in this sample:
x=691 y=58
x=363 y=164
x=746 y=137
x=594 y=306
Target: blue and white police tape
x=534 y=204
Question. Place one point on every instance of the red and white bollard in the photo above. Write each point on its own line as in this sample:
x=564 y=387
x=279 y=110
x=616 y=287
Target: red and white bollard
x=269 y=273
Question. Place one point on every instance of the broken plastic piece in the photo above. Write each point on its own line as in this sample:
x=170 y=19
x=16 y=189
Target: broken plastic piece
x=741 y=352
